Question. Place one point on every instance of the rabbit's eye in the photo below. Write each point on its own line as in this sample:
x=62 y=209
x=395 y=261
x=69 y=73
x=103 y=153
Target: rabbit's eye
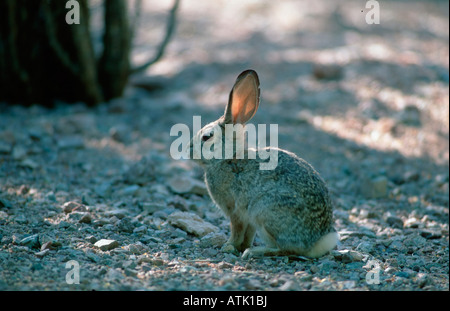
x=207 y=136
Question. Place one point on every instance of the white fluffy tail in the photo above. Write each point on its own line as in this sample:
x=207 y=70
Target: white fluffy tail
x=324 y=245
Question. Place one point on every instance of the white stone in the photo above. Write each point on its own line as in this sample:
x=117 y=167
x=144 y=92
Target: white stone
x=191 y=223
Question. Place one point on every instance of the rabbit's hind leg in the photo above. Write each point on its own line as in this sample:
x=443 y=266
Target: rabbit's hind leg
x=271 y=248
x=262 y=251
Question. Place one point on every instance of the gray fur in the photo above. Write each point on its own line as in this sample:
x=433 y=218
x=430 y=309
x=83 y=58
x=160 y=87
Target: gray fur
x=289 y=207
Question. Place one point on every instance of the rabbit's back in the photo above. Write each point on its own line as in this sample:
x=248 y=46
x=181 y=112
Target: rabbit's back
x=290 y=203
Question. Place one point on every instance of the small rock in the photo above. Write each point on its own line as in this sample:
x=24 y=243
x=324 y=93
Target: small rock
x=422 y=279
x=415 y=241
x=191 y=223
x=125 y=225
x=428 y=235
x=402 y=274
x=152 y=207
x=91 y=239
x=411 y=176
x=327 y=265
x=137 y=248
x=120 y=133
x=48 y=245
x=119 y=213
x=289 y=286
x=347 y=256
x=42 y=253
x=140 y=230
x=5 y=203
x=395 y=222
x=142 y=172
x=412 y=223
x=183 y=185
x=85 y=219
x=3 y=215
x=365 y=247
x=73 y=206
x=32 y=241
x=213 y=239
x=224 y=265
x=314 y=269
x=398 y=246
x=106 y=245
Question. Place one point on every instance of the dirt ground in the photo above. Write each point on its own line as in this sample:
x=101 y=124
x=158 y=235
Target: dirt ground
x=366 y=105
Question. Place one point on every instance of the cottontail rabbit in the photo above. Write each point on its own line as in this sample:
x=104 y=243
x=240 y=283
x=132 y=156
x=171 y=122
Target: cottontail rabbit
x=289 y=206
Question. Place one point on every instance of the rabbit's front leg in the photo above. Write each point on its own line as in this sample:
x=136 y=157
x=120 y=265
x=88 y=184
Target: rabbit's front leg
x=242 y=235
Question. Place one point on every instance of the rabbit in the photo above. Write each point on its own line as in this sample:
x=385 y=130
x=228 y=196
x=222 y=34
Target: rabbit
x=289 y=207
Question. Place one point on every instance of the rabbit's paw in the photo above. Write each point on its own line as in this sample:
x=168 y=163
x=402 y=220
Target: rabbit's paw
x=229 y=248
x=261 y=251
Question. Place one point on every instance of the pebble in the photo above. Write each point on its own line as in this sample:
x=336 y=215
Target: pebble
x=5 y=203
x=72 y=206
x=314 y=269
x=365 y=247
x=91 y=239
x=289 y=286
x=42 y=253
x=395 y=222
x=141 y=172
x=422 y=279
x=152 y=207
x=31 y=242
x=106 y=245
x=182 y=185
x=191 y=223
x=86 y=218
x=213 y=239
x=347 y=256
x=125 y=225
x=136 y=248
x=140 y=230
x=47 y=245
x=412 y=223
x=431 y=235
x=3 y=215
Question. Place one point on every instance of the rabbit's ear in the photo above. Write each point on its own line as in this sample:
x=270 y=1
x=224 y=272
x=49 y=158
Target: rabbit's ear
x=244 y=98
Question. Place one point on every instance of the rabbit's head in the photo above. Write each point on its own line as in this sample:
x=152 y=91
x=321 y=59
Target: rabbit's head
x=214 y=141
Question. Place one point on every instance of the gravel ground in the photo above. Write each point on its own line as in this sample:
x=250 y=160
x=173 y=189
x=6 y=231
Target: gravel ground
x=95 y=190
